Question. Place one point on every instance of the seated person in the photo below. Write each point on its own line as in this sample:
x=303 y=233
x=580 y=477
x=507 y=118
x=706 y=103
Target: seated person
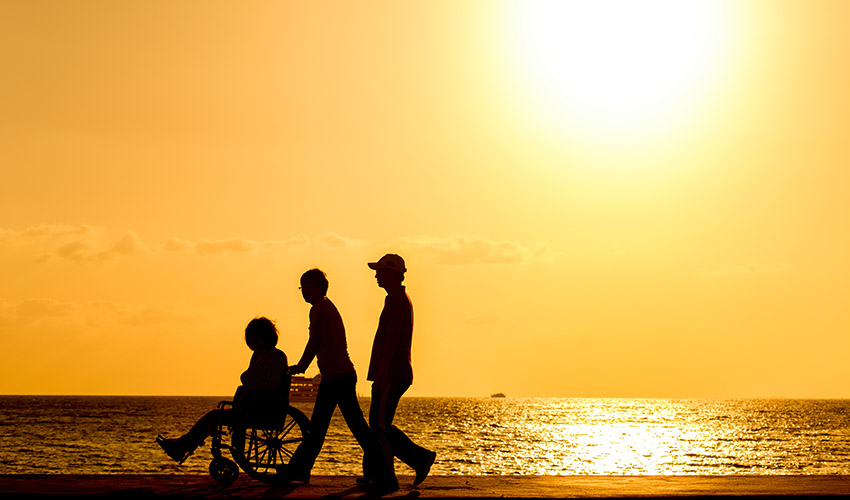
x=264 y=391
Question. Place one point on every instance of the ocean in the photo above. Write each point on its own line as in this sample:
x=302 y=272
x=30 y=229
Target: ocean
x=115 y=435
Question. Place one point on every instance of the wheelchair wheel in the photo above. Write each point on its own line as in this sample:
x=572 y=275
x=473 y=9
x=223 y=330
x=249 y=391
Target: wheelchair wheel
x=262 y=451
x=223 y=470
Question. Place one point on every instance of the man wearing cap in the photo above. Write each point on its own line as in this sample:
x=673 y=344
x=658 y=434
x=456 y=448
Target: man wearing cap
x=390 y=369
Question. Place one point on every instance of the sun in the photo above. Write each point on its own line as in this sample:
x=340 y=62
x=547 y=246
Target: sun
x=616 y=69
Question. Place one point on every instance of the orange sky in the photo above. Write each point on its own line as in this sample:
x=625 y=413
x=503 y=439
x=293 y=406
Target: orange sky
x=593 y=199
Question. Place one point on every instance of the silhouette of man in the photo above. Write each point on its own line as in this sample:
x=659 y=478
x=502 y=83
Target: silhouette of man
x=327 y=343
x=390 y=369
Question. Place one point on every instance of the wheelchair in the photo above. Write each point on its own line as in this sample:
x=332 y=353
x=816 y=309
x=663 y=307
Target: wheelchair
x=260 y=443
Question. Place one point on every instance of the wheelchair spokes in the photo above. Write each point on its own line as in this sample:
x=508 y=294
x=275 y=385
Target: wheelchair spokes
x=263 y=450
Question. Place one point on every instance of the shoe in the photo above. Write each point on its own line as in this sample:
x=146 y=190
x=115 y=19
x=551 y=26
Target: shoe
x=380 y=489
x=422 y=472
x=363 y=482
x=173 y=449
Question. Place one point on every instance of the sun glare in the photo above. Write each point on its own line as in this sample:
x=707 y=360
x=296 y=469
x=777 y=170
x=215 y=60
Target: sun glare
x=617 y=70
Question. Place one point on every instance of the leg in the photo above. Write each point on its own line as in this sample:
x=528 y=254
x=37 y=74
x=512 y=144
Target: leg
x=377 y=458
x=179 y=449
x=307 y=452
x=351 y=411
x=204 y=427
x=402 y=447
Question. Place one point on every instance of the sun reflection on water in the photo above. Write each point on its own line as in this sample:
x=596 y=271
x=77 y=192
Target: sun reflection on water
x=631 y=436
x=597 y=440
x=470 y=435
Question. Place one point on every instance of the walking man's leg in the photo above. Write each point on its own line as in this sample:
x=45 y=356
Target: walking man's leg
x=351 y=411
x=377 y=459
x=307 y=452
x=381 y=415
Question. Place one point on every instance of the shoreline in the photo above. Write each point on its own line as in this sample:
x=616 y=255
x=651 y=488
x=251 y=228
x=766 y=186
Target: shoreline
x=520 y=487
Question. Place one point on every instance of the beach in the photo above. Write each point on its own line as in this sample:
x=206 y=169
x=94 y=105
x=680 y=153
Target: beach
x=198 y=486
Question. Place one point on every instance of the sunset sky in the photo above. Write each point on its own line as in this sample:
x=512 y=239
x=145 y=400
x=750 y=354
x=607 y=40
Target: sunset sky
x=610 y=199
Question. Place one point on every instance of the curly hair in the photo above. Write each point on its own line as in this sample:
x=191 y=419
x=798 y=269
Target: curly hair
x=261 y=333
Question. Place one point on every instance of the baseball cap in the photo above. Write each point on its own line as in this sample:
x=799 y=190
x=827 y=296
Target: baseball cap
x=389 y=261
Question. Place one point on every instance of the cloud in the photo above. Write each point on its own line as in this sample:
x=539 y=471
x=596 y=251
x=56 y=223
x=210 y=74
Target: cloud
x=143 y=314
x=334 y=240
x=40 y=312
x=75 y=250
x=84 y=243
x=177 y=245
x=60 y=230
x=238 y=245
x=90 y=249
x=34 y=307
x=745 y=269
x=72 y=242
x=472 y=250
x=227 y=245
x=235 y=245
x=129 y=244
x=32 y=311
x=46 y=231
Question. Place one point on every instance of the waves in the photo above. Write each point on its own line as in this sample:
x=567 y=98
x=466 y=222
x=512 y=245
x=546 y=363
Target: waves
x=115 y=435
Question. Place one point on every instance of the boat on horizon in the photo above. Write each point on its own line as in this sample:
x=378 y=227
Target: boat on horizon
x=498 y=395
x=304 y=389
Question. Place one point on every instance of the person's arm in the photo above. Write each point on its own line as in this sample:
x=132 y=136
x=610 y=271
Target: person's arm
x=318 y=329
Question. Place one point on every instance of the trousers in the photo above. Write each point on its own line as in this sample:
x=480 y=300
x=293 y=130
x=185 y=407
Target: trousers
x=340 y=392
x=381 y=415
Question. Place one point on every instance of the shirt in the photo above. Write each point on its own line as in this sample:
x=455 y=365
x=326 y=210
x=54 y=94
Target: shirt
x=390 y=359
x=327 y=341
x=266 y=369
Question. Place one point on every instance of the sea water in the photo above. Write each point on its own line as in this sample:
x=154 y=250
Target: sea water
x=115 y=435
